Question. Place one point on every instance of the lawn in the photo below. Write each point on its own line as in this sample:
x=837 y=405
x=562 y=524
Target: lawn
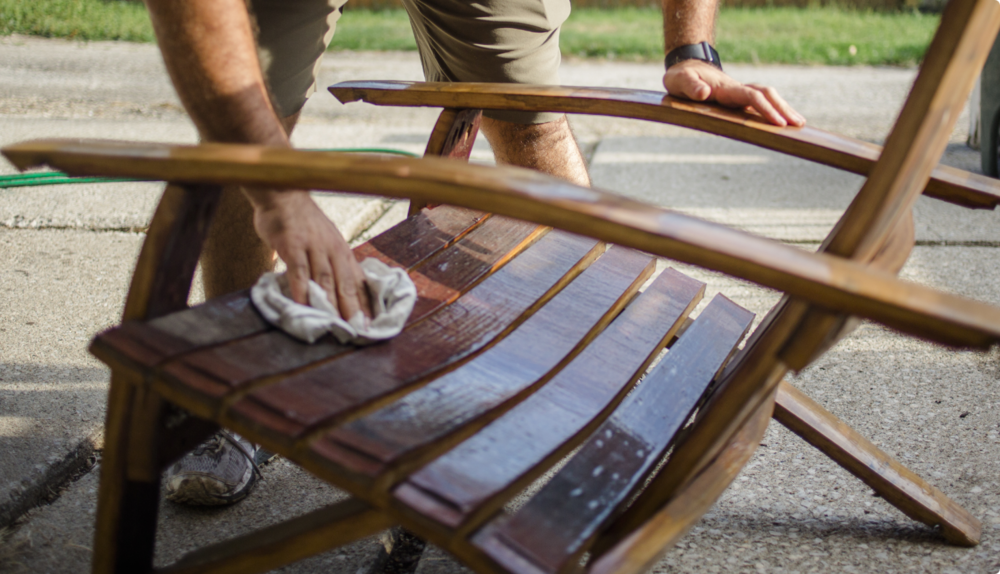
x=766 y=36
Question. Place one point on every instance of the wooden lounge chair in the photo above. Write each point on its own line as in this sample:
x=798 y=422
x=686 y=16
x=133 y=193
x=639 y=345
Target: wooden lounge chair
x=527 y=343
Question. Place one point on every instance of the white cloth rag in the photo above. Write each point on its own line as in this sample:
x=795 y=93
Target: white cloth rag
x=391 y=289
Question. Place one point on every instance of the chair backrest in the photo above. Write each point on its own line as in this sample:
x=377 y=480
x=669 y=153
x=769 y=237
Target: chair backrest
x=877 y=220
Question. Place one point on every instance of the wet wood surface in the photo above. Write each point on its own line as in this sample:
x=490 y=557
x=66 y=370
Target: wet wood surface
x=647 y=545
x=555 y=525
x=233 y=316
x=440 y=279
x=947 y=183
x=468 y=325
x=490 y=467
x=437 y=415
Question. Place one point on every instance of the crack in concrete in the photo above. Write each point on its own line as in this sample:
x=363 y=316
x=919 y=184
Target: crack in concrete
x=45 y=489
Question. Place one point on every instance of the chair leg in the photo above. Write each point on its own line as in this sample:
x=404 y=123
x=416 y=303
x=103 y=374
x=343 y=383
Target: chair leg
x=453 y=136
x=128 y=498
x=891 y=480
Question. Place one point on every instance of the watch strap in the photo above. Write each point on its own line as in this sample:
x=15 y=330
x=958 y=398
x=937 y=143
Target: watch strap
x=701 y=51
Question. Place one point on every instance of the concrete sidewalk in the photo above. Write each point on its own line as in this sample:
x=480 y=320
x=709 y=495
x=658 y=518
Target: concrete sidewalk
x=70 y=250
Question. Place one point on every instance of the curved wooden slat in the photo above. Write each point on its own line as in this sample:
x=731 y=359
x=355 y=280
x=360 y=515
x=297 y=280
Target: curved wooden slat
x=463 y=487
x=829 y=282
x=947 y=183
x=411 y=243
x=644 y=547
x=555 y=527
x=434 y=418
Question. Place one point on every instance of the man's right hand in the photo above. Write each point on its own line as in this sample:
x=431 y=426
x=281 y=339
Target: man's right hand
x=312 y=248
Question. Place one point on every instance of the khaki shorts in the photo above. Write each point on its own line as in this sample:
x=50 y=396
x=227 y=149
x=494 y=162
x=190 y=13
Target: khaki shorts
x=513 y=41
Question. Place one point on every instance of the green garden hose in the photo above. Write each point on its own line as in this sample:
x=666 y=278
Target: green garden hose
x=58 y=177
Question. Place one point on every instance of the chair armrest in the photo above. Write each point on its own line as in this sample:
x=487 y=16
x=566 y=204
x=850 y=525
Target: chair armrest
x=827 y=281
x=947 y=183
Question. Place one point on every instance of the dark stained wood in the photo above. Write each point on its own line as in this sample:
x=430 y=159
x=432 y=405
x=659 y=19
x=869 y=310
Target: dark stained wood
x=644 y=547
x=420 y=236
x=947 y=183
x=468 y=325
x=438 y=414
x=112 y=503
x=230 y=317
x=452 y=137
x=440 y=279
x=497 y=462
x=279 y=544
x=170 y=253
x=831 y=282
x=460 y=134
x=891 y=480
x=555 y=526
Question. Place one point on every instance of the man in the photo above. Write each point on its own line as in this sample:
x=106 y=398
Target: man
x=246 y=83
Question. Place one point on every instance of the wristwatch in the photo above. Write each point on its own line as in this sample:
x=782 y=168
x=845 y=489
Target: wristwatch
x=701 y=51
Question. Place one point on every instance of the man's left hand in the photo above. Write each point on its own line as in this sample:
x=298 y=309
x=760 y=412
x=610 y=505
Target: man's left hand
x=700 y=81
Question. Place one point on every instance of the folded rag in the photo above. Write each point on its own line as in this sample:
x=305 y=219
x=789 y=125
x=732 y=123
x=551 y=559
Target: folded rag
x=391 y=289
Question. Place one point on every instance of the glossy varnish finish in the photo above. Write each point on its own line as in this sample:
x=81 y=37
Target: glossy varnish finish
x=468 y=325
x=947 y=183
x=232 y=316
x=453 y=405
x=439 y=279
x=554 y=527
x=490 y=467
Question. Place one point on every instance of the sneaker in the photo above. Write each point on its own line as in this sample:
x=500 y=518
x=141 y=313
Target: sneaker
x=219 y=471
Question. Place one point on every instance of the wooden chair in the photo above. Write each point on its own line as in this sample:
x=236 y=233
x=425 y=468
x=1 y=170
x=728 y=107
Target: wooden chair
x=526 y=343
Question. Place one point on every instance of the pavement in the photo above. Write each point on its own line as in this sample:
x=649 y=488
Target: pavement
x=69 y=250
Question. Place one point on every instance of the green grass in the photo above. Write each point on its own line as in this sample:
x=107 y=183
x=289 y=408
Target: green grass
x=824 y=36
x=373 y=30
x=76 y=19
x=775 y=35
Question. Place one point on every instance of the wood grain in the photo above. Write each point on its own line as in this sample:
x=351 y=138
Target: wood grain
x=466 y=484
x=453 y=137
x=554 y=527
x=947 y=183
x=280 y=544
x=467 y=326
x=435 y=416
x=891 y=480
x=646 y=545
x=439 y=279
x=826 y=280
x=232 y=316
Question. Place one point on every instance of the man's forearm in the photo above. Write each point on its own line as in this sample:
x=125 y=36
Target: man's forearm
x=688 y=22
x=210 y=53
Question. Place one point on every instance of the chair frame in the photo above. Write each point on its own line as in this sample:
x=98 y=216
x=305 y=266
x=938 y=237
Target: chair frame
x=852 y=276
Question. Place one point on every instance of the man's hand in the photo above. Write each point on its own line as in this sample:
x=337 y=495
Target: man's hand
x=700 y=81
x=312 y=248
